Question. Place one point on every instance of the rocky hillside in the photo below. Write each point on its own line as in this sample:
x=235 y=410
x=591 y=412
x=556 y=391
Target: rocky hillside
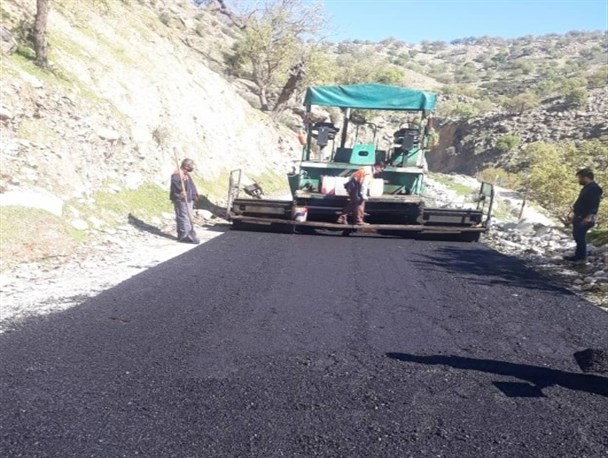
x=92 y=139
x=471 y=145
x=549 y=88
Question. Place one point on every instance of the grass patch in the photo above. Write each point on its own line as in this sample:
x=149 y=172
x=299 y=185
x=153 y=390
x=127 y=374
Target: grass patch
x=119 y=53
x=144 y=202
x=272 y=182
x=54 y=77
x=502 y=211
x=37 y=130
x=214 y=189
x=5 y=15
x=30 y=234
x=458 y=188
x=63 y=43
x=26 y=63
x=598 y=237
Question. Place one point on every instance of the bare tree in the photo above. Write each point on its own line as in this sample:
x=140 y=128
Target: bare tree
x=220 y=5
x=39 y=32
x=229 y=14
x=296 y=76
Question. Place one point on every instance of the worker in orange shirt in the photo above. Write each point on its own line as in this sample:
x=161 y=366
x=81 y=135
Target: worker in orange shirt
x=357 y=188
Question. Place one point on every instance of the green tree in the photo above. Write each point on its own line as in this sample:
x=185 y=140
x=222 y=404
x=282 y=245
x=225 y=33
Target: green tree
x=574 y=92
x=389 y=75
x=551 y=178
x=320 y=66
x=525 y=101
x=271 y=43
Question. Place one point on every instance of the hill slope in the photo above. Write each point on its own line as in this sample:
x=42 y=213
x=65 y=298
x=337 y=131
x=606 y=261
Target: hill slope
x=125 y=88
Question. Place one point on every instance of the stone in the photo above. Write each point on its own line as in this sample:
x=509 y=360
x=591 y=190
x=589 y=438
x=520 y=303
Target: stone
x=79 y=224
x=8 y=44
x=568 y=273
x=32 y=198
x=133 y=180
x=95 y=222
x=5 y=114
x=206 y=214
x=600 y=249
x=108 y=134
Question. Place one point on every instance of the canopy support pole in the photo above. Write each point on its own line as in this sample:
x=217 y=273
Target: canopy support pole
x=346 y=112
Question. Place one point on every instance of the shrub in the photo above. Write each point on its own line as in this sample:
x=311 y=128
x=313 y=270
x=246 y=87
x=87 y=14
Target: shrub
x=552 y=170
x=500 y=177
x=576 y=98
x=459 y=110
x=506 y=143
x=525 y=101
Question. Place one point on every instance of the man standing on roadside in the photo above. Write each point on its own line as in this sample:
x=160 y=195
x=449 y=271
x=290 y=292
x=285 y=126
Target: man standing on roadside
x=584 y=212
x=183 y=194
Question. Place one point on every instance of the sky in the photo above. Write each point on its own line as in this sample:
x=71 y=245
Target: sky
x=415 y=20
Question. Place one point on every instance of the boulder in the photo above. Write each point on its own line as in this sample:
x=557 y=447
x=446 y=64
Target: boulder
x=5 y=114
x=8 y=44
x=33 y=198
x=108 y=134
x=79 y=224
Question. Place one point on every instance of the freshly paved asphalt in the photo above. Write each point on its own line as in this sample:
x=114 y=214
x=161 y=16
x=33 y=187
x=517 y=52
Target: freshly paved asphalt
x=273 y=345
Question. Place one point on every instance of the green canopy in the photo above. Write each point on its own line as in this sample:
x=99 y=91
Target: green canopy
x=371 y=97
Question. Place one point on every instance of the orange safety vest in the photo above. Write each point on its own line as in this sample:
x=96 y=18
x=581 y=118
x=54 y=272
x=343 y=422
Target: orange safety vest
x=360 y=175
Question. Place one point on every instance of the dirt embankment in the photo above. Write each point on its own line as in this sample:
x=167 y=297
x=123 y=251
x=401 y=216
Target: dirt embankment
x=95 y=135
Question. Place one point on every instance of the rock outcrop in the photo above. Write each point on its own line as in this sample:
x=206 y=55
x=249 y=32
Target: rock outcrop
x=470 y=146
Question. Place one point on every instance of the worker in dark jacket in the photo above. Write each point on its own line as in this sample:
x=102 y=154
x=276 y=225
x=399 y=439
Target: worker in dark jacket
x=183 y=194
x=584 y=212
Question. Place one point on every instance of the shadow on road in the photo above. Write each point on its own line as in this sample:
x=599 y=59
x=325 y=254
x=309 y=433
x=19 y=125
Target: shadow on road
x=539 y=377
x=487 y=267
x=146 y=227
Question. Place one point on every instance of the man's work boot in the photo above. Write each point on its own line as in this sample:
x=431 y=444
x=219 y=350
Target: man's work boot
x=342 y=219
x=573 y=258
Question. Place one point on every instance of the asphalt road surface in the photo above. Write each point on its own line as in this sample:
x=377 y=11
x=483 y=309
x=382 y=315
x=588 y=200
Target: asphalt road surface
x=273 y=345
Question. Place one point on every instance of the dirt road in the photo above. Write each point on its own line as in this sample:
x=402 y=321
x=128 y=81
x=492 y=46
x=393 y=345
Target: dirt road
x=270 y=345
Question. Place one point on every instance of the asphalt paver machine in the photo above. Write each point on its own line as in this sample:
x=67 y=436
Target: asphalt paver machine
x=331 y=153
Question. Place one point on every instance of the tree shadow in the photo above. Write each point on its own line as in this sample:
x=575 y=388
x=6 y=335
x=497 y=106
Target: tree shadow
x=536 y=376
x=143 y=226
x=487 y=267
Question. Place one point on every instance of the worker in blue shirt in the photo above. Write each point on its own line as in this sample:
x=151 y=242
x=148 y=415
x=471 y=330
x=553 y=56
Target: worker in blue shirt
x=584 y=212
